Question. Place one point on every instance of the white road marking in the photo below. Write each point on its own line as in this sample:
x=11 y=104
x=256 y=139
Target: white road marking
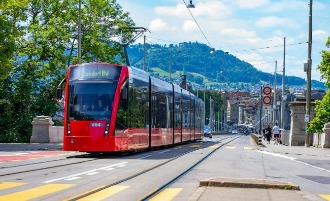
x=278 y=155
x=92 y=173
x=164 y=151
x=72 y=178
x=145 y=157
x=84 y=173
x=109 y=168
x=294 y=159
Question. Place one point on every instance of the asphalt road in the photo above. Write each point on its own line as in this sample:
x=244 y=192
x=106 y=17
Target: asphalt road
x=60 y=175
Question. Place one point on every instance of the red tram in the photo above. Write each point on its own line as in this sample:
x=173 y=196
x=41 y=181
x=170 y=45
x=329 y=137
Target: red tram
x=109 y=108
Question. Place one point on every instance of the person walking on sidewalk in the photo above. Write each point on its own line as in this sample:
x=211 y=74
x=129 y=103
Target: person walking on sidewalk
x=268 y=131
x=276 y=131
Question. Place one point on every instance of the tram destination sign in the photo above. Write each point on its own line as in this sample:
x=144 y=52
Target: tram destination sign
x=95 y=72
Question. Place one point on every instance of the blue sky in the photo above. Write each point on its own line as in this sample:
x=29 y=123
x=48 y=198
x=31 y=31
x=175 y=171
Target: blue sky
x=252 y=30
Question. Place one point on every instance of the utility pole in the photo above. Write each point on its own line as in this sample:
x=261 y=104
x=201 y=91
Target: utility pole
x=274 y=101
x=283 y=97
x=144 y=52
x=79 y=33
x=260 y=112
x=309 y=72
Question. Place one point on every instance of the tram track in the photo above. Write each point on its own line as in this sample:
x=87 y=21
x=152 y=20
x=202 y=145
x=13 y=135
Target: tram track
x=157 y=191
x=41 y=168
x=26 y=168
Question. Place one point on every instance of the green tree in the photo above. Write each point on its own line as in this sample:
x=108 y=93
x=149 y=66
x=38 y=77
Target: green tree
x=322 y=107
x=216 y=97
x=322 y=114
x=324 y=66
x=38 y=39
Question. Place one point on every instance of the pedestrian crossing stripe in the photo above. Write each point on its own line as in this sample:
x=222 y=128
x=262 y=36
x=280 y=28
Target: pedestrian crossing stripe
x=35 y=192
x=5 y=185
x=167 y=194
x=101 y=195
x=326 y=197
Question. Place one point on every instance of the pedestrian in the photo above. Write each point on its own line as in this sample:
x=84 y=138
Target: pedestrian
x=268 y=131
x=264 y=133
x=276 y=131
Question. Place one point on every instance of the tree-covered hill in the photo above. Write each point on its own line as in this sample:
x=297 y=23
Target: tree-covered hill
x=200 y=65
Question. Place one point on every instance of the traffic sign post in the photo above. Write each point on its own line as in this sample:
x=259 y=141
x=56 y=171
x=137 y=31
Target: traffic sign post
x=266 y=99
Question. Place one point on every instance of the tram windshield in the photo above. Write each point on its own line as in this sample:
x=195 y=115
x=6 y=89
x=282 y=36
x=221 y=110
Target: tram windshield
x=91 y=100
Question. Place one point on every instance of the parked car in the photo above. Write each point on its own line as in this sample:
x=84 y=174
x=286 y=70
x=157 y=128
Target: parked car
x=234 y=131
x=207 y=131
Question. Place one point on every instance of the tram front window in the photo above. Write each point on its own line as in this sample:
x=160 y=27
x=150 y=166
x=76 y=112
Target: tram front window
x=91 y=100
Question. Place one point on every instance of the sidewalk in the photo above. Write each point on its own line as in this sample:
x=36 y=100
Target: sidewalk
x=294 y=151
x=254 y=189
x=30 y=146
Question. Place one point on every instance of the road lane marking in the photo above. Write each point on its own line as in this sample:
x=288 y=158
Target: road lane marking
x=248 y=148
x=230 y=147
x=85 y=173
x=94 y=173
x=214 y=146
x=277 y=155
x=195 y=146
x=164 y=151
x=103 y=194
x=326 y=197
x=145 y=157
x=5 y=185
x=35 y=192
x=72 y=178
x=167 y=194
x=293 y=159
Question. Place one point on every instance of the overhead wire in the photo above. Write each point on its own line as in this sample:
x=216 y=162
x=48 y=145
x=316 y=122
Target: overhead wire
x=197 y=24
x=268 y=47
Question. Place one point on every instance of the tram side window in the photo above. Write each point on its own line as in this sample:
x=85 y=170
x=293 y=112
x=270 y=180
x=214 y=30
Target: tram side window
x=121 y=120
x=159 y=111
x=192 y=113
x=185 y=113
x=138 y=107
x=177 y=113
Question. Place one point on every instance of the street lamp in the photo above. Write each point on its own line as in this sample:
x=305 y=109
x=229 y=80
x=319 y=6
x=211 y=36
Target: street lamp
x=191 y=5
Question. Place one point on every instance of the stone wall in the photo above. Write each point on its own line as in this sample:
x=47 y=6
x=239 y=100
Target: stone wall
x=43 y=131
x=298 y=124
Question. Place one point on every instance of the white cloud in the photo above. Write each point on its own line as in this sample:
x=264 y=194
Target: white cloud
x=179 y=11
x=233 y=32
x=320 y=35
x=189 y=26
x=272 y=21
x=210 y=9
x=283 y=6
x=159 y=25
x=251 y=4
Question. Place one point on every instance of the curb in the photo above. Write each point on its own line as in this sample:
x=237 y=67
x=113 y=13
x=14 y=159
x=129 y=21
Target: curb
x=248 y=183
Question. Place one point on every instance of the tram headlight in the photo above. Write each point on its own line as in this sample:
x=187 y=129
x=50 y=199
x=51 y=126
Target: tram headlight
x=106 y=130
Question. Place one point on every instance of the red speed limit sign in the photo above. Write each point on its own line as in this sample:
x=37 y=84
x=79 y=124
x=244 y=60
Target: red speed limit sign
x=266 y=99
x=267 y=90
